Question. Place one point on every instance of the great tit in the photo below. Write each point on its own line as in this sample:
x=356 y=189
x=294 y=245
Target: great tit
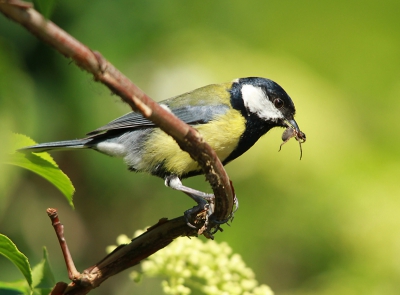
x=231 y=117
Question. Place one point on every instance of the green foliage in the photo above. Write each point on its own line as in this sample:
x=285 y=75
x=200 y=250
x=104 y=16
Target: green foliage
x=39 y=280
x=9 y=250
x=41 y=164
x=209 y=267
x=323 y=225
x=14 y=288
x=42 y=275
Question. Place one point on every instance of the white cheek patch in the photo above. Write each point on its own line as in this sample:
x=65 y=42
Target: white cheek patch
x=256 y=102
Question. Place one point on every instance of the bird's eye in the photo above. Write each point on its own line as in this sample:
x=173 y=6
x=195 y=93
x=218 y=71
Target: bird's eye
x=278 y=103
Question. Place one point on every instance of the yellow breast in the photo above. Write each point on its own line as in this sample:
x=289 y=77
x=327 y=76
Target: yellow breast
x=222 y=134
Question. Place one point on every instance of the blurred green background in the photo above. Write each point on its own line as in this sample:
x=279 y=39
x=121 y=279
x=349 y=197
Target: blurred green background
x=328 y=224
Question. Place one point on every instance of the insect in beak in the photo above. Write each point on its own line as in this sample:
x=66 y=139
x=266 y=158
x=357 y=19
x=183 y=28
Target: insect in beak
x=293 y=131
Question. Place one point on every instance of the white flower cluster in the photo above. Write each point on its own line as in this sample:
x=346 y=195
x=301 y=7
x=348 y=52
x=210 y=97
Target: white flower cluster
x=209 y=267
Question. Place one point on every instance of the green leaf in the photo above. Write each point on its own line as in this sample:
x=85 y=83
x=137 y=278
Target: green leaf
x=42 y=275
x=10 y=251
x=41 y=164
x=14 y=288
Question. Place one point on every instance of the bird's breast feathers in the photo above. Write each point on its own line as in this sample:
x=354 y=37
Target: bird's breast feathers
x=222 y=134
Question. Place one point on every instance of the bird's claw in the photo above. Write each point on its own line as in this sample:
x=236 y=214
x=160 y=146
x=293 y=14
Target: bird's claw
x=198 y=212
x=204 y=211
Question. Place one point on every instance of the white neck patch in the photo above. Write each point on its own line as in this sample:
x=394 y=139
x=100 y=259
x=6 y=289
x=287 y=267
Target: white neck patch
x=256 y=102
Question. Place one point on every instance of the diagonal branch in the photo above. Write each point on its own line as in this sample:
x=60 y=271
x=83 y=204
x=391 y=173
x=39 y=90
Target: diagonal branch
x=188 y=139
x=155 y=238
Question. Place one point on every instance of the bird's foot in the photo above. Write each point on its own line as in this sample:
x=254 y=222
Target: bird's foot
x=204 y=209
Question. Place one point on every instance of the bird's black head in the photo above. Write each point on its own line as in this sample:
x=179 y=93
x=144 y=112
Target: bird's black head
x=264 y=105
x=263 y=100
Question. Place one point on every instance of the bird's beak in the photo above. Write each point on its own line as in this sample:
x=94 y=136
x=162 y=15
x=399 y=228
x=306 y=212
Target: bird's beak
x=293 y=124
x=293 y=130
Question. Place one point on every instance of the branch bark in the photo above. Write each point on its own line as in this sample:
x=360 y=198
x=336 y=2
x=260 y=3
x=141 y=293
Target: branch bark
x=155 y=238
x=187 y=137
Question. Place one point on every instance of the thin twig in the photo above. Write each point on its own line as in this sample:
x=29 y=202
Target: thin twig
x=73 y=274
x=155 y=238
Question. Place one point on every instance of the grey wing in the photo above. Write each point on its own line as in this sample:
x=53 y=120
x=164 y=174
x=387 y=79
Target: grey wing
x=130 y=120
x=188 y=114
x=200 y=114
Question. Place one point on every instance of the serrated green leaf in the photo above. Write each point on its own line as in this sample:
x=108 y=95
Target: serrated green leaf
x=20 y=140
x=47 y=170
x=41 y=164
x=42 y=275
x=9 y=250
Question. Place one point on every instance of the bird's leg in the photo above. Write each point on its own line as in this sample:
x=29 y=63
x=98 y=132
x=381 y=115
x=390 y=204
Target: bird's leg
x=205 y=202
x=199 y=197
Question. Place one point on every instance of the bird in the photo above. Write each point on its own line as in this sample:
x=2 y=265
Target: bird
x=231 y=117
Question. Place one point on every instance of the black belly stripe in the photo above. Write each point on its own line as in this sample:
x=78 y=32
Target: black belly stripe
x=255 y=128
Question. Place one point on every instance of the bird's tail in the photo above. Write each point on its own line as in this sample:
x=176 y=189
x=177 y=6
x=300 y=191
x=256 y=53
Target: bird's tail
x=58 y=146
